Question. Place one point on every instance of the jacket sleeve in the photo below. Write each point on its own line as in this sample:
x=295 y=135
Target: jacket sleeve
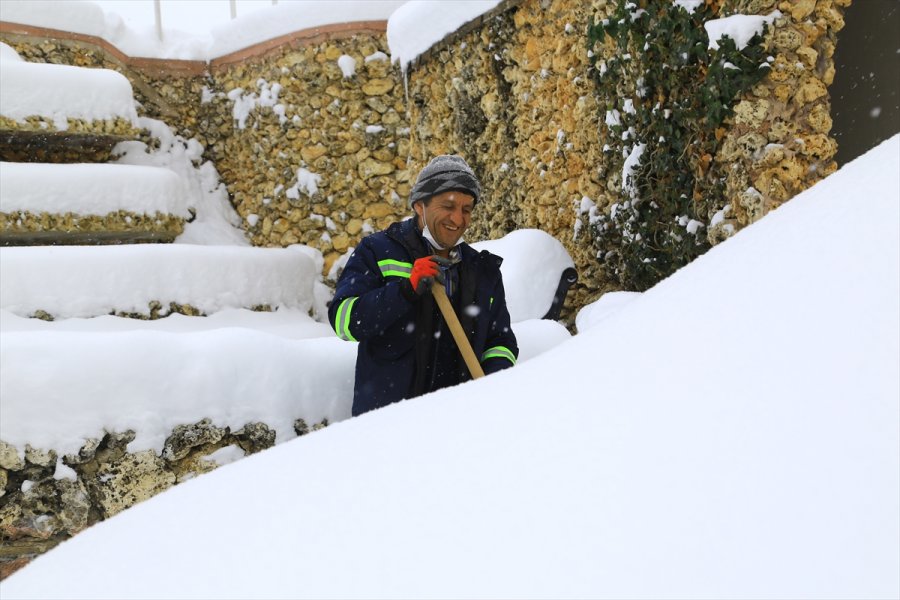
x=500 y=348
x=364 y=303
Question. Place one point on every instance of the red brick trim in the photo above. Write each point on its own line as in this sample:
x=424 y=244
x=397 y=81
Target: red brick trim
x=299 y=39
x=174 y=66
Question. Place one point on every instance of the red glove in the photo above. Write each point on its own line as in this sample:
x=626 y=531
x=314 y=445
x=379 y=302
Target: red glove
x=427 y=270
x=424 y=271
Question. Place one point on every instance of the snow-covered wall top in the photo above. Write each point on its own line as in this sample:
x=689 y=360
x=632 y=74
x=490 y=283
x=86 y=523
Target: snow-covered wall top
x=61 y=91
x=87 y=18
x=86 y=281
x=420 y=24
x=91 y=189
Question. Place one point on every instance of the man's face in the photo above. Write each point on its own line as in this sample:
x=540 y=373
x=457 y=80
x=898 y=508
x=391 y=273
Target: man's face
x=447 y=216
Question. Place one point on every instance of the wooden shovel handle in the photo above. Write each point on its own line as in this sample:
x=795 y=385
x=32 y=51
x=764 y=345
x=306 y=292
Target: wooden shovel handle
x=462 y=342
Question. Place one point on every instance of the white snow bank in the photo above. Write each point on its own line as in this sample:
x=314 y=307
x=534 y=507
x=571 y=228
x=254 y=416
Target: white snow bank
x=419 y=24
x=69 y=380
x=608 y=304
x=91 y=189
x=740 y=28
x=151 y=381
x=533 y=262
x=59 y=92
x=86 y=281
x=259 y=26
x=734 y=433
x=292 y=324
x=536 y=336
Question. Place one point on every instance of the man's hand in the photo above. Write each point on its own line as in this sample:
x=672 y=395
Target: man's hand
x=425 y=271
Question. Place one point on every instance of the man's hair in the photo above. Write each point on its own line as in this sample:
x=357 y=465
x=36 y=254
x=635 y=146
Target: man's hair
x=445 y=173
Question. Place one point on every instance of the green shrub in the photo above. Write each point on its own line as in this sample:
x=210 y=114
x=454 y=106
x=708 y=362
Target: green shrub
x=665 y=95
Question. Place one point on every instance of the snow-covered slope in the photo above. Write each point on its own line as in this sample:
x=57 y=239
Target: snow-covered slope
x=733 y=432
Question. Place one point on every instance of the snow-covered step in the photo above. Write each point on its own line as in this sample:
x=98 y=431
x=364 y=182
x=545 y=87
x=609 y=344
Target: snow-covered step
x=43 y=203
x=152 y=280
x=62 y=113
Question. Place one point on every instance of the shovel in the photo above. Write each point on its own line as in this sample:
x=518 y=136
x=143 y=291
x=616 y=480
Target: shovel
x=459 y=336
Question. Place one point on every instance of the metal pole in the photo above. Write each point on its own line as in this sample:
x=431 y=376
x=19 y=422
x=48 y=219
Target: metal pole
x=233 y=4
x=158 y=11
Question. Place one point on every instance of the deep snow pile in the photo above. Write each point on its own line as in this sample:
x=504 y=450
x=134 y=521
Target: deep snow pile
x=732 y=432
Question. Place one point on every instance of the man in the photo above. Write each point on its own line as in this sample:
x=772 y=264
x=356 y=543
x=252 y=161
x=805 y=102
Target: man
x=383 y=297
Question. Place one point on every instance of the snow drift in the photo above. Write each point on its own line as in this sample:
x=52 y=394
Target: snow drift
x=733 y=432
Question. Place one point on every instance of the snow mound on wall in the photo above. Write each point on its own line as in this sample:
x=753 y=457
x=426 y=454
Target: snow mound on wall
x=91 y=189
x=533 y=262
x=151 y=381
x=61 y=91
x=86 y=281
x=420 y=24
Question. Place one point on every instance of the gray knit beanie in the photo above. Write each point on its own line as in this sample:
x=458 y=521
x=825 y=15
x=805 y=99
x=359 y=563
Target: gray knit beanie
x=445 y=173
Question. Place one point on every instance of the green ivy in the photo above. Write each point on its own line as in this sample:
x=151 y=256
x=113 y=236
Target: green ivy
x=672 y=93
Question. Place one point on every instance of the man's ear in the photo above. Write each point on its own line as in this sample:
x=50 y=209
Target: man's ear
x=418 y=207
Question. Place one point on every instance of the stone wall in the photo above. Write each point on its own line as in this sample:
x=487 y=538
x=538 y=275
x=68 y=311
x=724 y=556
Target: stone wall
x=321 y=157
x=779 y=144
x=311 y=156
x=514 y=94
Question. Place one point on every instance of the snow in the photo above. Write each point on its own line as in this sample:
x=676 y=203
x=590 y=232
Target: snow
x=90 y=189
x=632 y=161
x=229 y=374
x=347 y=65
x=8 y=53
x=419 y=24
x=595 y=312
x=307 y=181
x=732 y=432
x=216 y=222
x=533 y=262
x=740 y=28
x=87 y=281
x=688 y=5
x=61 y=91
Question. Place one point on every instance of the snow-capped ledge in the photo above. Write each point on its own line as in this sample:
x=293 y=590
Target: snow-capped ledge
x=87 y=281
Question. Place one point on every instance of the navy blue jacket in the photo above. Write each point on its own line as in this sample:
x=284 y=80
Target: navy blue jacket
x=405 y=348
